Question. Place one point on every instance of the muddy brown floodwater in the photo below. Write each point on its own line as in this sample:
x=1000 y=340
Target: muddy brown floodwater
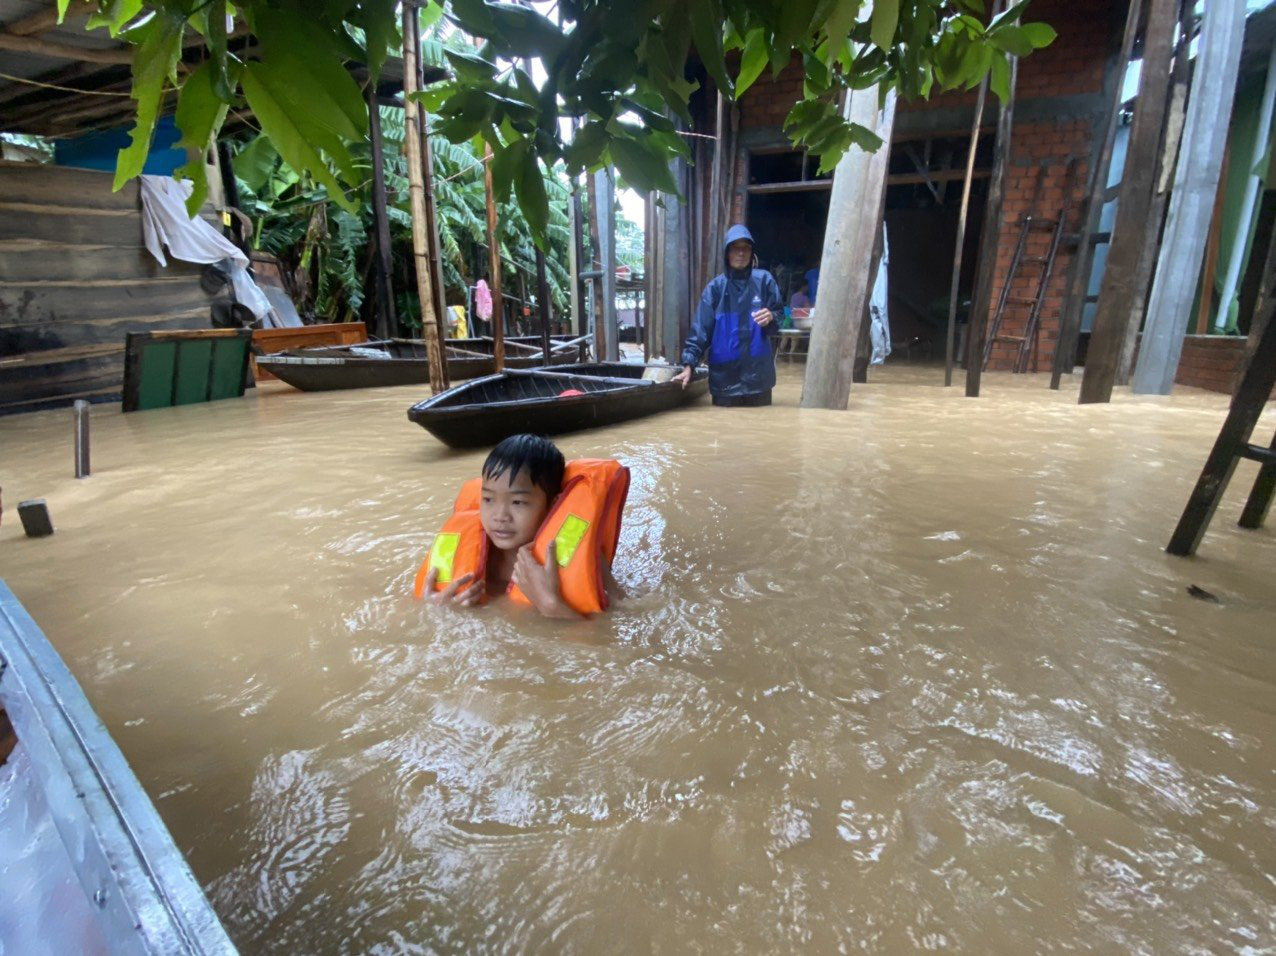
x=916 y=675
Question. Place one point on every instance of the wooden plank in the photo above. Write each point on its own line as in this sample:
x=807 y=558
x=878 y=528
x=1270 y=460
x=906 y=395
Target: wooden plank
x=846 y=280
x=35 y=262
x=69 y=333
x=32 y=303
x=69 y=374
x=78 y=225
x=34 y=46
x=65 y=186
x=990 y=239
x=1187 y=220
x=1065 y=353
x=268 y=341
x=1129 y=232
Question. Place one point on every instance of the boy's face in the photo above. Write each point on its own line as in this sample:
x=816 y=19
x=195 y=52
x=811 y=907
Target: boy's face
x=511 y=510
x=740 y=253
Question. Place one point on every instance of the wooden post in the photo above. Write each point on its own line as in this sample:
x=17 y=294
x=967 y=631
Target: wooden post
x=1210 y=270
x=954 y=290
x=386 y=325
x=607 y=336
x=416 y=190
x=864 y=344
x=648 y=265
x=542 y=293
x=1187 y=223
x=573 y=256
x=494 y=265
x=1065 y=352
x=989 y=240
x=1117 y=292
x=1232 y=443
x=432 y=223
x=1168 y=159
x=846 y=279
x=81 y=413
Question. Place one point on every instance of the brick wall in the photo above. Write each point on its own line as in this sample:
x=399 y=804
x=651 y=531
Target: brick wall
x=1211 y=362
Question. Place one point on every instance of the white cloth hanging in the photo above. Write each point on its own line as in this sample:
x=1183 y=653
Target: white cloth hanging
x=879 y=329
x=166 y=223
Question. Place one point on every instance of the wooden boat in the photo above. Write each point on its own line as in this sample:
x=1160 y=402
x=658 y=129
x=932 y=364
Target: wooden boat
x=403 y=361
x=486 y=410
x=89 y=864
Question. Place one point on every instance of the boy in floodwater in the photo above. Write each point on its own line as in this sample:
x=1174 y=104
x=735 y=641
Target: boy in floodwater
x=522 y=477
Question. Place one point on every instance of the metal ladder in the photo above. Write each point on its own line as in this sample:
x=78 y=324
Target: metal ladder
x=1034 y=303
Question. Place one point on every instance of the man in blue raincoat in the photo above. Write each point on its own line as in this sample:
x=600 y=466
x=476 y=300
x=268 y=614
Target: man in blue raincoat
x=734 y=326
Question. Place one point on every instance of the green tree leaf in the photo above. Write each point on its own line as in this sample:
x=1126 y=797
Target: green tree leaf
x=1039 y=34
x=200 y=112
x=530 y=187
x=159 y=45
x=706 y=28
x=256 y=161
x=885 y=18
x=1011 y=39
x=999 y=79
x=277 y=123
x=752 y=61
x=645 y=169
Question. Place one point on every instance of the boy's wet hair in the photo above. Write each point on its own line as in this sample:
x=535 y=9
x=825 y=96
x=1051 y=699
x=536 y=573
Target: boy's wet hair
x=538 y=456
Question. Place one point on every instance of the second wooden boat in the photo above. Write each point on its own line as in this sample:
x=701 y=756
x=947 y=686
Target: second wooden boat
x=404 y=362
x=547 y=401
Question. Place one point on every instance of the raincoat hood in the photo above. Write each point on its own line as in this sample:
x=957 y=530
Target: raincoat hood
x=734 y=234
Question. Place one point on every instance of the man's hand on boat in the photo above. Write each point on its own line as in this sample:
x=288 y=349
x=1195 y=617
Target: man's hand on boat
x=460 y=593
x=683 y=377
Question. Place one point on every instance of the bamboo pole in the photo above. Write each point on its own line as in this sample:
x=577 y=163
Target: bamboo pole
x=950 y=338
x=494 y=264
x=981 y=300
x=431 y=217
x=416 y=191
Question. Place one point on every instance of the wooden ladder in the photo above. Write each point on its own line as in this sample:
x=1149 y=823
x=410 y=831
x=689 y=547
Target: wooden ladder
x=1034 y=303
x=1233 y=442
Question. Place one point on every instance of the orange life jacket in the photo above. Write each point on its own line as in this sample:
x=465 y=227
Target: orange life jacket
x=584 y=522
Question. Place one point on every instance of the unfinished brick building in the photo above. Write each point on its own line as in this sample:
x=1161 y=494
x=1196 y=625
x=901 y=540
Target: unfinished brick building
x=1062 y=96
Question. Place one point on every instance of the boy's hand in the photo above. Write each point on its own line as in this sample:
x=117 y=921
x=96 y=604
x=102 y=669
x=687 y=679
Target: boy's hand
x=456 y=593
x=683 y=378
x=540 y=581
x=763 y=317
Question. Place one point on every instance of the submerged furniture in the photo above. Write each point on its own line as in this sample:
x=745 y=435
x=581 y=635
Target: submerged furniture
x=404 y=361
x=181 y=368
x=550 y=401
x=89 y=816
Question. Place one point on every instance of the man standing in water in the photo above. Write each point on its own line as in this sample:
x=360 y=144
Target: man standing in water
x=734 y=325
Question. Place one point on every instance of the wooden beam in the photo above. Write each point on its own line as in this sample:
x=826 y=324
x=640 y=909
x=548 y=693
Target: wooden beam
x=63 y=51
x=416 y=190
x=1180 y=76
x=950 y=337
x=1065 y=353
x=494 y=263
x=1187 y=221
x=1116 y=294
x=846 y=280
x=990 y=239
x=42 y=20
